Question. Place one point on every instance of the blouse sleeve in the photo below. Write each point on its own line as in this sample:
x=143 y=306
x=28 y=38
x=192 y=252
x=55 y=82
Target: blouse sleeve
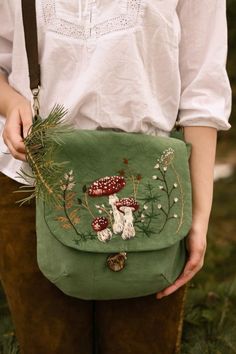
x=205 y=89
x=6 y=37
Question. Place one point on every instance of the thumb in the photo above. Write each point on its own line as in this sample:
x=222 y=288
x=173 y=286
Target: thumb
x=26 y=118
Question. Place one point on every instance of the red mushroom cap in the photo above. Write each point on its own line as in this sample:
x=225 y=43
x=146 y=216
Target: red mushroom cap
x=106 y=186
x=127 y=202
x=100 y=223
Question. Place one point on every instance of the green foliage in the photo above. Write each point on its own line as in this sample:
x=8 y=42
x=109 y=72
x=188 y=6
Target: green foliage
x=41 y=144
x=8 y=343
x=210 y=319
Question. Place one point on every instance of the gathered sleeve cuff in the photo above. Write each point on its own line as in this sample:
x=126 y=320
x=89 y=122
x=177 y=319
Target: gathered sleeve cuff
x=206 y=93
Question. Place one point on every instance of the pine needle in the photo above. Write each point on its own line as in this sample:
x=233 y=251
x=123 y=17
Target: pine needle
x=45 y=135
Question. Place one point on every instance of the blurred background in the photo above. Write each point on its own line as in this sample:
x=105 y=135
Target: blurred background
x=210 y=310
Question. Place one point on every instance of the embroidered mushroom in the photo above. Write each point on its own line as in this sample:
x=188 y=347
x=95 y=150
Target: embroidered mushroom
x=127 y=206
x=100 y=225
x=109 y=186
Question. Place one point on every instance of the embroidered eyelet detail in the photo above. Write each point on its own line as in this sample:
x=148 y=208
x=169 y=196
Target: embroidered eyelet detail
x=132 y=16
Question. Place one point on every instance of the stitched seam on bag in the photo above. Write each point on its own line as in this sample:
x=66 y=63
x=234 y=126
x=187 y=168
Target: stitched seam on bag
x=169 y=282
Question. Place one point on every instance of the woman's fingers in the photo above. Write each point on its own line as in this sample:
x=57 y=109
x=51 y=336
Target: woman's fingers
x=16 y=129
x=16 y=154
x=191 y=268
x=26 y=117
x=196 y=245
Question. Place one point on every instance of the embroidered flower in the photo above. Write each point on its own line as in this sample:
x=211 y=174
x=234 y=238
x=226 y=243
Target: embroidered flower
x=167 y=156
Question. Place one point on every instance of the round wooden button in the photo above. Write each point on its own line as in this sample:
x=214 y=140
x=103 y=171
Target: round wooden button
x=116 y=261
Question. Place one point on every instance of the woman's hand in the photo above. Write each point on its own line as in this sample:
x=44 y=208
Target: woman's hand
x=17 y=111
x=203 y=141
x=18 y=122
x=196 y=247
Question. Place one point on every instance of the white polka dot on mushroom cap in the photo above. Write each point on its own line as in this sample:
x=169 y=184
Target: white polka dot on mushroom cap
x=106 y=186
x=100 y=223
x=127 y=202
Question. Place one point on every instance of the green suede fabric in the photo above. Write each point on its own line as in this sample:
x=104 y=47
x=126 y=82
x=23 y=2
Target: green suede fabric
x=151 y=173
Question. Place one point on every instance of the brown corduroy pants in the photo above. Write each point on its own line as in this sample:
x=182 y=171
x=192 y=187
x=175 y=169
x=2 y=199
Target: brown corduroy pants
x=49 y=322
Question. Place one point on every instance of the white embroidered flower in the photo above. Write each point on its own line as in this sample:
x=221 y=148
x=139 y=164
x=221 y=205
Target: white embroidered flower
x=175 y=215
x=71 y=172
x=145 y=207
x=63 y=187
x=167 y=156
x=70 y=186
x=176 y=200
x=165 y=168
x=159 y=206
x=66 y=176
x=175 y=185
x=157 y=165
x=154 y=177
x=142 y=216
x=161 y=187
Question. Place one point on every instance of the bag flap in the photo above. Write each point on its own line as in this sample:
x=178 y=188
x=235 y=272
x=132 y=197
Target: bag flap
x=120 y=192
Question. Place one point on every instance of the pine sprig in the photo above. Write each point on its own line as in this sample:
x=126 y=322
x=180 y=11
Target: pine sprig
x=45 y=135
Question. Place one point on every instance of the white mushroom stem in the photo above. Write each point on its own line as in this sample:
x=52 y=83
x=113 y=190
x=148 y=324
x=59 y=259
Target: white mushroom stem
x=128 y=230
x=118 y=217
x=104 y=235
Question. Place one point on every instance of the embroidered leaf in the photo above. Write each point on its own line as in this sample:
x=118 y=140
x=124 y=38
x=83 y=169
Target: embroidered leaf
x=84 y=189
x=70 y=195
x=79 y=201
x=69 y=204
x=61 y=218
x=73 y=213
x=59 y=207
x=66 y=226
x=76 y=220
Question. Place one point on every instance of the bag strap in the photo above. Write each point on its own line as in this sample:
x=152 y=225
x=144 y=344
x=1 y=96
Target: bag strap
x=31 y=46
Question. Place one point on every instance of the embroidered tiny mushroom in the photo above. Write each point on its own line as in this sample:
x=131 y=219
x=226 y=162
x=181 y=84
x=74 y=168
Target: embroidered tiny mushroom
x=109 y=186
x=100 y=225
x=127 y=206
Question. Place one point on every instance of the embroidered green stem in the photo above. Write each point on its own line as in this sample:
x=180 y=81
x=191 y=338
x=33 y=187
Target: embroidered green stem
x=67 y=215
x=107 y=213
x=181 y=197
x=86 y=205
x=136 y=189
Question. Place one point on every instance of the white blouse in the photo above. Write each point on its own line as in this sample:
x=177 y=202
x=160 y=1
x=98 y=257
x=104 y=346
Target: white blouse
x=129 y=64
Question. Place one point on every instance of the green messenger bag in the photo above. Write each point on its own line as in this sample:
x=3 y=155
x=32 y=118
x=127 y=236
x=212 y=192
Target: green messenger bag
x=113 y=209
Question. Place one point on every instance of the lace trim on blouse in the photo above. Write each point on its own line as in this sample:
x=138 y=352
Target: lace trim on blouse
x=132 y=17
